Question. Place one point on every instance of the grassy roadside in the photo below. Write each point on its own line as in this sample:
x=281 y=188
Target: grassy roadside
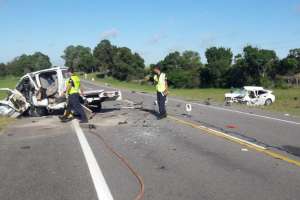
x=287 y=100
x=4 y=121
x=6 y=82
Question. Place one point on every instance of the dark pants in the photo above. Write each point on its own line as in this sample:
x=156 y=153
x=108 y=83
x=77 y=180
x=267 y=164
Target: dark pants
x=74 y=105
x=161 y=101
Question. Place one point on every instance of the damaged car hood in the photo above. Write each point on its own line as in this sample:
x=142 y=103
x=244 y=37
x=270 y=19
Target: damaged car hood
x=14 y=104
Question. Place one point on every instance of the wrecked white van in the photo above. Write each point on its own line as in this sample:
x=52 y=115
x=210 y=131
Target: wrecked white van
x=41 y=92
x=250 y=95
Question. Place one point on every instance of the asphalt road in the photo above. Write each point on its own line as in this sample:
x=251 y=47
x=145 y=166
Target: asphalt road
x=41 y=158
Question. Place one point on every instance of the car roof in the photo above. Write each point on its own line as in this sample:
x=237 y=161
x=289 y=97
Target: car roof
x=48 y=70
x=253 y=88
x=44 y=70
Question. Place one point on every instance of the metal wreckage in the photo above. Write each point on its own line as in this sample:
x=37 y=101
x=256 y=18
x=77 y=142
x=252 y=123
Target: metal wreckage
x=40 y=93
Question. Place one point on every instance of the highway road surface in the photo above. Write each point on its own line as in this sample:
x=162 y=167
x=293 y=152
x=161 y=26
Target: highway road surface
x=125 y=153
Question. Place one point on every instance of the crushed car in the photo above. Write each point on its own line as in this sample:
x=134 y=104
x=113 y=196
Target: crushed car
x=41 y=92
x=250 y=95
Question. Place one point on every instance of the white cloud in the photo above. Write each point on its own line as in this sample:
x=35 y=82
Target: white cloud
x=111 y=33
x=157 y=38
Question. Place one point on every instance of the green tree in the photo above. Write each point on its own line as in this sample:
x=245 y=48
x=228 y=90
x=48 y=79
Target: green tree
x=288 y=66
x=259 y=61
x=103 y=54
x=182 y=69
x=218 y=63
x=28 y=63
x=254 y=67
x=127 y=66
x=3 y=70
x=79 y=57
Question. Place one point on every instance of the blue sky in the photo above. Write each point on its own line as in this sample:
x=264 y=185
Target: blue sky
x=150 y=27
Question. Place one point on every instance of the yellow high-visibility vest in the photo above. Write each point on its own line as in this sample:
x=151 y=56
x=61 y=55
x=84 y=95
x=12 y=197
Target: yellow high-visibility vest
x=76 y=84
x=160 y=82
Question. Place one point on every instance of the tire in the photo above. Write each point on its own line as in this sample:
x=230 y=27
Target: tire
x=37 y=111
x=268 y=102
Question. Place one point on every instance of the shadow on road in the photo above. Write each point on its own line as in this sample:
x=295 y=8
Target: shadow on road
x=152 y=112
x=292 y=150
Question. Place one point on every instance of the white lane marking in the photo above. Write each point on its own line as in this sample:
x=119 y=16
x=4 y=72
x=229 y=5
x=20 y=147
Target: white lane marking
x=101 y=187
x=234 y=111
x=250 y=114
x=229 y=110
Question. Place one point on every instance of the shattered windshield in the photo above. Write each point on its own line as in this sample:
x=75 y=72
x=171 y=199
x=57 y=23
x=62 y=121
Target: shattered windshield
x=66 y=74
x=240 y=92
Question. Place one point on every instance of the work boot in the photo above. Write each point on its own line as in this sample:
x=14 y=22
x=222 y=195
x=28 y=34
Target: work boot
x=67 y=119
x=62 y=117
x=162 y=116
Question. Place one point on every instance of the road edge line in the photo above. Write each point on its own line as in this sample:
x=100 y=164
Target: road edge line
x=101 y=187
x=242 y=142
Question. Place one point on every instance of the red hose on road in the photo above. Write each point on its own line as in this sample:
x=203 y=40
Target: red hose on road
x=141 y=193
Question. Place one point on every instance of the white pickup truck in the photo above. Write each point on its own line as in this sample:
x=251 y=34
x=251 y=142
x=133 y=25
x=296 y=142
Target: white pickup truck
x=41 y=92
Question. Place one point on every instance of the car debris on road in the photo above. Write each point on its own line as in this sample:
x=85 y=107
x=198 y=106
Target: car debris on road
x=250 y=95
x=39 y=93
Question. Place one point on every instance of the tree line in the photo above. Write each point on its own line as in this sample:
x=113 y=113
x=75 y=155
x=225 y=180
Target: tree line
x=254 y=66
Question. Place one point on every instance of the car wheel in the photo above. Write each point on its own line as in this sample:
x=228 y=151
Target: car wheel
x=268 y=102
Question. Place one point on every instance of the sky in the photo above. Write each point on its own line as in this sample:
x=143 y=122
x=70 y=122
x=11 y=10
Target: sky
x=151 y=28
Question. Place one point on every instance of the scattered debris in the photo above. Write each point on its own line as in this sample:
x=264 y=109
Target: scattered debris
x=122 y=123
x=25 y=147
x=244 y=149
x=188 y=108
x=92 y=126
x=207 y=101
x=232 y=126
x=186 y=115
x=162 y=167
x=287 y=114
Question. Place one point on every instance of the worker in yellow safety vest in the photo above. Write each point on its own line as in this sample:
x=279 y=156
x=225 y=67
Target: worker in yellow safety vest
x=160 y=80
x=73 y=93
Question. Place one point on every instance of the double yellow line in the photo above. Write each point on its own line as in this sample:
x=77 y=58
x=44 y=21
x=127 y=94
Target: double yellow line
x=245 y=143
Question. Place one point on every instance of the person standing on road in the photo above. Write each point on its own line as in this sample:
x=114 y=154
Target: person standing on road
x=73 y=92
x=160 y=80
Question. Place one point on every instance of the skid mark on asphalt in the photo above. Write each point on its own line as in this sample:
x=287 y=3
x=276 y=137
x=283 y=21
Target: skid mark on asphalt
x=237 y=140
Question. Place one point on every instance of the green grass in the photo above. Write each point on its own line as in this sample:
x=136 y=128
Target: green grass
x=4 y=121
x=287 y=100
x=6 y=82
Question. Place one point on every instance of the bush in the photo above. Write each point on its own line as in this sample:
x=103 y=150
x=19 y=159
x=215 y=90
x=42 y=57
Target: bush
x=266 y=82
x=100 y=75
x=279 y=83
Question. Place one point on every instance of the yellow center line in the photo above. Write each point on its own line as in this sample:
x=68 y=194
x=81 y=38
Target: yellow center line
x=237 y=140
